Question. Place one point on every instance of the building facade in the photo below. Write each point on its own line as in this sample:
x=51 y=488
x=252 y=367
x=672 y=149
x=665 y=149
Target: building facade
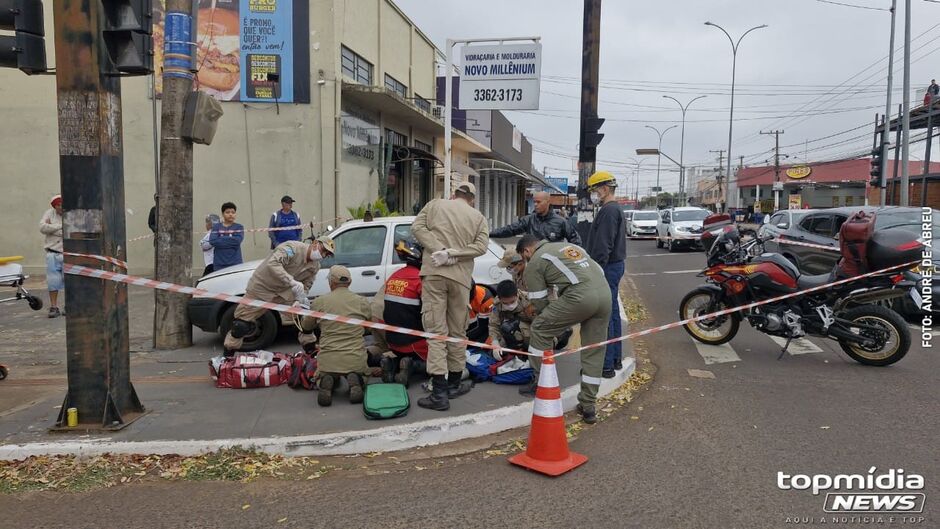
x=355 y=120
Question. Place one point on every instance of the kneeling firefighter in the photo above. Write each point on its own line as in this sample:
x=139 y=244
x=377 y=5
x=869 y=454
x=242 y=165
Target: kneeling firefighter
x=287 y=274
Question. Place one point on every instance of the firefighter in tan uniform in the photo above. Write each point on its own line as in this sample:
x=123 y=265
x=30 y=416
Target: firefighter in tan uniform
x=342 y=347
x=284 y=277
x=452 y=233
x=583 y=298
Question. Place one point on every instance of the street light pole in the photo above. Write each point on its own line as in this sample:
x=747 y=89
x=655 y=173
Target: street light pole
x=659 y=159
x=734 y=65
x=682 y=147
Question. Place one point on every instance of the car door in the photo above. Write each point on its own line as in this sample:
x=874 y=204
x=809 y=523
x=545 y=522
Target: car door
x=363 y=250
x=818 y=229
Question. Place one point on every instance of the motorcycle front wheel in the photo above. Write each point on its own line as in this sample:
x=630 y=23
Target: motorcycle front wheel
x=711 y=331
x=891 y=341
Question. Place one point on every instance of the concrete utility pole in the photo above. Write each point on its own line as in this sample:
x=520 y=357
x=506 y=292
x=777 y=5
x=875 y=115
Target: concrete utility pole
x=906 y=118
x=721 y=165
x=885 y=145
x=590 y=73
x=174 y=259
x=776 y=134
x=91 y=164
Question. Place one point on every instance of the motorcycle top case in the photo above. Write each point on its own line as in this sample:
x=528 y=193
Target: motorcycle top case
x=893 y=247
x=385 y=401
x=854 y=236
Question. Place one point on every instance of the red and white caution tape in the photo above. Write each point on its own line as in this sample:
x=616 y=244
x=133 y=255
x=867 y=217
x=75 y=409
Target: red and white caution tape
x=111 y=260
x=785 y=240
x=149 y=283
x=300 y=311
x=254 y=230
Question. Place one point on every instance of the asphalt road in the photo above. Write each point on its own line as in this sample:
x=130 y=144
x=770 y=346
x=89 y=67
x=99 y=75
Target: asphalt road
x=690 y=452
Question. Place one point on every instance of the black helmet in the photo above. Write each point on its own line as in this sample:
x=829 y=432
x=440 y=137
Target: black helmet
x=409 y=251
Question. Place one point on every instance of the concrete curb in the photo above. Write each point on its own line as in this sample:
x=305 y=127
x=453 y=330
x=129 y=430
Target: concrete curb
x=385 y=439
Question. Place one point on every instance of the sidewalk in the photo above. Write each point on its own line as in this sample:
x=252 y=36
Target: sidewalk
x=188 y=415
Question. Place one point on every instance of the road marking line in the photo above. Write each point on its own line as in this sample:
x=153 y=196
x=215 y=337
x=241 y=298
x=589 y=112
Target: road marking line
x=694 y=270
x=716 y=354
x=642 y=273
x=799 y=346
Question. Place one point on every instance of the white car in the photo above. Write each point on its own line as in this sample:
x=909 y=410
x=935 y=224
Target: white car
x=642 y=224
x=366 y=248
x=680 y=227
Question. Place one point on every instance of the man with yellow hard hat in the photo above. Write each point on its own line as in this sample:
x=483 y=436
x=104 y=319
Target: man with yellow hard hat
x=607 y=245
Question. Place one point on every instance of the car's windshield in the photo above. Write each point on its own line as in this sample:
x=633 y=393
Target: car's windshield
x=697 y=214
x=646 y=215
x=907 y=219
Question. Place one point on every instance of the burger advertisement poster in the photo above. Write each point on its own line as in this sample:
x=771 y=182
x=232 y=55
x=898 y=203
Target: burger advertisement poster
x=247 y=50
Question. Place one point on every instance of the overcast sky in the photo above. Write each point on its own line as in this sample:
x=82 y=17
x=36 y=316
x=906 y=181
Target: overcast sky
x=818 y=70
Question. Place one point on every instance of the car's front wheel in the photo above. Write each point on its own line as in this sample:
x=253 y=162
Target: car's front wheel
x=265 y=332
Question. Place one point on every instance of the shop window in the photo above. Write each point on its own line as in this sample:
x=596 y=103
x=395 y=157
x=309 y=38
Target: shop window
x=396 y=138
x=396 y=86
x=355 y=67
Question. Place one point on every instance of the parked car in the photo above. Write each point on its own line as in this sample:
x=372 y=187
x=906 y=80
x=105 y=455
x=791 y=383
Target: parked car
x=822 y=227
x=366 y=248
x=680 y=227
x=781 y=221
x=642 y=223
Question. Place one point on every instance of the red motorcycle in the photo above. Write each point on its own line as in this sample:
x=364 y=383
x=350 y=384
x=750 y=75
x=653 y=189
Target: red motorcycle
x=740 y=273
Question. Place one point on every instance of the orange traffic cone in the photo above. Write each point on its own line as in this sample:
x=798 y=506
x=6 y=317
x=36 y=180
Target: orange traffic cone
x=547 y=450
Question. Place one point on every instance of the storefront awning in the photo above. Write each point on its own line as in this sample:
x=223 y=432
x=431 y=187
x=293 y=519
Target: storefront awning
x=409 y=154
x=488 y=165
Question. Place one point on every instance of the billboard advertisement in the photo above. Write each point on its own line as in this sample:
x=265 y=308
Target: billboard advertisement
x=247 y=50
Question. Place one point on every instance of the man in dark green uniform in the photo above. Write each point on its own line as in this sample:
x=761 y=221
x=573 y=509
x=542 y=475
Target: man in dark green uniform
x=583 y=298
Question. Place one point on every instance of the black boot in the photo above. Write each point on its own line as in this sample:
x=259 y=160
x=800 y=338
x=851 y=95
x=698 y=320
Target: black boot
x=405 y=367
x=588 y=413
x=325 y=390
x=355 y=388
x=388 y=369
x=455 y=387
x=437 y=400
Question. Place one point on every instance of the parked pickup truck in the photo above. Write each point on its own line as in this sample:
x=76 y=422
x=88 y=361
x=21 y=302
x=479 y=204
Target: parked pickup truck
x=366 y=248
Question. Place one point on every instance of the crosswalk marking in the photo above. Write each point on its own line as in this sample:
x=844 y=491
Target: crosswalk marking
x=716 y=354
x=799 y=346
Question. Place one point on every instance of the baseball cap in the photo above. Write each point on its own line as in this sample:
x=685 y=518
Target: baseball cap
x=328 y=243
x=54 y=199
x=287 y=198
x=510 y=257
x=340 y=274
x=467 y=187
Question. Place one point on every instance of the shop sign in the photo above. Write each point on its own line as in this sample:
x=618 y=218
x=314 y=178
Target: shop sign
x=799 y=172
x=500 y=77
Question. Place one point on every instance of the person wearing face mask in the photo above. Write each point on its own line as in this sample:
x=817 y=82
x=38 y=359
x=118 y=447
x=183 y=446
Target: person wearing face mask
x=284 y=277
x=607 y=245
x=511 y=318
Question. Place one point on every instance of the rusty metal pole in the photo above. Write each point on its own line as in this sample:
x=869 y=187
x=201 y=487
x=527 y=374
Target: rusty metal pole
x=91 y=168
x=590 y=72
x=174 y=259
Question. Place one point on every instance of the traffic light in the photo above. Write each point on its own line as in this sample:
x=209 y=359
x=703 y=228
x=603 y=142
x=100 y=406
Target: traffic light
x=128 y=25
x=592 y=138
x=26 y=49
x=876 y=167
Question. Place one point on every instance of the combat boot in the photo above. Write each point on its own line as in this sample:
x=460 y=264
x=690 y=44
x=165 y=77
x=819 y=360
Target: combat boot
x=456 y=387
x=388 y=370
x=325 y=390
x=437 y=400
x=405 y=366
x=355 y=388
x=588 y=413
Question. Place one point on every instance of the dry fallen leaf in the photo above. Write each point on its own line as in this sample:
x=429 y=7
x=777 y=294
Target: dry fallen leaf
x=282 y=520
x=246 y=506
x=823 y=427
x=651 y=429
x=635 y=418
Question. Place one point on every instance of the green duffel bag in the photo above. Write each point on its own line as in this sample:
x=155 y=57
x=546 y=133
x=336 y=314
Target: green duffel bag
x=385 y=401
